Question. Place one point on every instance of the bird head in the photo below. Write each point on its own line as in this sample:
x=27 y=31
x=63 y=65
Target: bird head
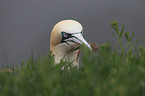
x=66 y=38
x=67 y=32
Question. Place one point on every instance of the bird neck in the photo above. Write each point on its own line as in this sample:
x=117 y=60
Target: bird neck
x=61 y=52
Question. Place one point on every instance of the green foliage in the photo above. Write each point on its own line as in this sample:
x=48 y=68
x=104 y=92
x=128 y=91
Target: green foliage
x=109 y=73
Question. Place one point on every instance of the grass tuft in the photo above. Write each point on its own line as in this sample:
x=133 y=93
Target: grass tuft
x=119 y=72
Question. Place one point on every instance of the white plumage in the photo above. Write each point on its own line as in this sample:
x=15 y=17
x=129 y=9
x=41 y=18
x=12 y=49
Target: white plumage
x=66 y=38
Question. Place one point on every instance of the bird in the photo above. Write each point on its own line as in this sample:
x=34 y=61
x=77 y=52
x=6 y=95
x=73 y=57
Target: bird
x=65 y=41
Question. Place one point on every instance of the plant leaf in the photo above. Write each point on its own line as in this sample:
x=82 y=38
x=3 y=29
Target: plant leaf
x=122 y=31
x=127 y=36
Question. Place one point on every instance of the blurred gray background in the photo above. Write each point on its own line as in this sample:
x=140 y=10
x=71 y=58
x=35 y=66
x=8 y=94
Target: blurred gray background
x=25 y=25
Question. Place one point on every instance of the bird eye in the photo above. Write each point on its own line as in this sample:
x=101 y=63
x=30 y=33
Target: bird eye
x=65 y=35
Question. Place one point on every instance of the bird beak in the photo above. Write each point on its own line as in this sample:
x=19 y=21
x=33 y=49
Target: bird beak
x=79 y=39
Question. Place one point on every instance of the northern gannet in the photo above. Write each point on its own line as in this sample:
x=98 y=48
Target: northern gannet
x=66 y=38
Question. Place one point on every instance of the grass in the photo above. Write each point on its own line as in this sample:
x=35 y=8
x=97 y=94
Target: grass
x=119 y=72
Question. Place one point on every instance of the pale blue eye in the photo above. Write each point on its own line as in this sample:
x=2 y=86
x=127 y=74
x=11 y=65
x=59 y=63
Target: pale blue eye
x=65 y=35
